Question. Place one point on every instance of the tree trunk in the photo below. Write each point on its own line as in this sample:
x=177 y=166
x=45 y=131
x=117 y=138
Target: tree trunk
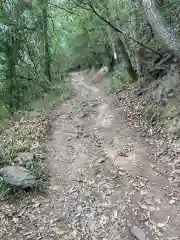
x=12 y=54
x=110 y=48
x=134 y=26
x=47 y=70
x=131 y=71
x=160 y=26
x=110 y=55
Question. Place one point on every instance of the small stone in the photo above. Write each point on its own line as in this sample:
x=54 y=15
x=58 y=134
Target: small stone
x=144 y=207
x=158 y=200
x=101 y=160
x=143 y=192
x=161 y=225
x=177 y=171
x=15 y=220
x=60 y=232
x=115 y=214
x=138 y=233
x=170 y=179
x=172 y=201
x=108 y=192
x=141 y=184
x=36 y=205
x=103 y=220
x=153 y=209
x=83 y=115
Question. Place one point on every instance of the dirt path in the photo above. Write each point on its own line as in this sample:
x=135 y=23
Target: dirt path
x=103 y=180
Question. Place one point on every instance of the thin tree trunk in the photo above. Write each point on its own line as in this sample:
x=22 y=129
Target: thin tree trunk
x=135 y=34
x=114 y=53
x=11 y=71
x=110 y=55
x=46 y=43
x=160 y=26
x=131 y=71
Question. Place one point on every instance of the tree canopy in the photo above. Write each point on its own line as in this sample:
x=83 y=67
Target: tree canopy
x=42 y=40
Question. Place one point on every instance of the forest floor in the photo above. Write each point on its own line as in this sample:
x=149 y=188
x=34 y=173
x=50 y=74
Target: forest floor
x=104 y=177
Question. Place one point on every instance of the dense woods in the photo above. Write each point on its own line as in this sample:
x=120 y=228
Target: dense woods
x=42 y=40
x=28 y=52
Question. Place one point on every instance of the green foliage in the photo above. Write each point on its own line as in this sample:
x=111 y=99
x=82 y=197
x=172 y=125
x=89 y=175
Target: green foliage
x=149 y=114
x=5 y=190
x=4 y=114
x=170 y=112
x=28 y=45
x=117 y=81
x=171 y=9
x=174 y=129
x=57 y=94
x=85 y=39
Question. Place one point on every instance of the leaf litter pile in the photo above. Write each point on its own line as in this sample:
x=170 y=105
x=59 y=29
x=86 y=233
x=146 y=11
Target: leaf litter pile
x=143 y=113
x=23 y=138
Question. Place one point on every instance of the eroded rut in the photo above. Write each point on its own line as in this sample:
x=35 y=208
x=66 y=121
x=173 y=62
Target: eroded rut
x=103 y=181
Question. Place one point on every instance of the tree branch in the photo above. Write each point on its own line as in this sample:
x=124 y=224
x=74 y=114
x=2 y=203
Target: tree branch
x=120 y=31
x=64 y=9
x=116 y=29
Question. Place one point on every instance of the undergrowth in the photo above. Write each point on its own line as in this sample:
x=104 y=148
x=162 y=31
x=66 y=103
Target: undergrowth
x=57 y=94
x=23 y=135
x=25 y=132
x=116 y=81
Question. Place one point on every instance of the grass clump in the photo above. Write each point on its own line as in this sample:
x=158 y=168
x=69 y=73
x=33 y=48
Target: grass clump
x=149 y=114
x=170 y=112
x=4 y=113
x=173 y=128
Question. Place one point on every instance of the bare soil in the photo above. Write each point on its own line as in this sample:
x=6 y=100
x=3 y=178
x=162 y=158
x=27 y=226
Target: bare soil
x=104 y=178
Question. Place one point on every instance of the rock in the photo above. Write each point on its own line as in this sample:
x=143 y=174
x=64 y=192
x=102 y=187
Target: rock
x=83 y=115
x=101 y=160
x=17 y=176
x=24 y=158
x=61 y=230
x=172 y=201
x=138 y=233
x=161 y=225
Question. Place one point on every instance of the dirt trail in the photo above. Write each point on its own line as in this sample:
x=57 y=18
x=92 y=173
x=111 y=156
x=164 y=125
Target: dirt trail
x=103 y=180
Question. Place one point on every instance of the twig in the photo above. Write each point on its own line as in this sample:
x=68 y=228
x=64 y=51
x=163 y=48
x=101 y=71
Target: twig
x=139 y=93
